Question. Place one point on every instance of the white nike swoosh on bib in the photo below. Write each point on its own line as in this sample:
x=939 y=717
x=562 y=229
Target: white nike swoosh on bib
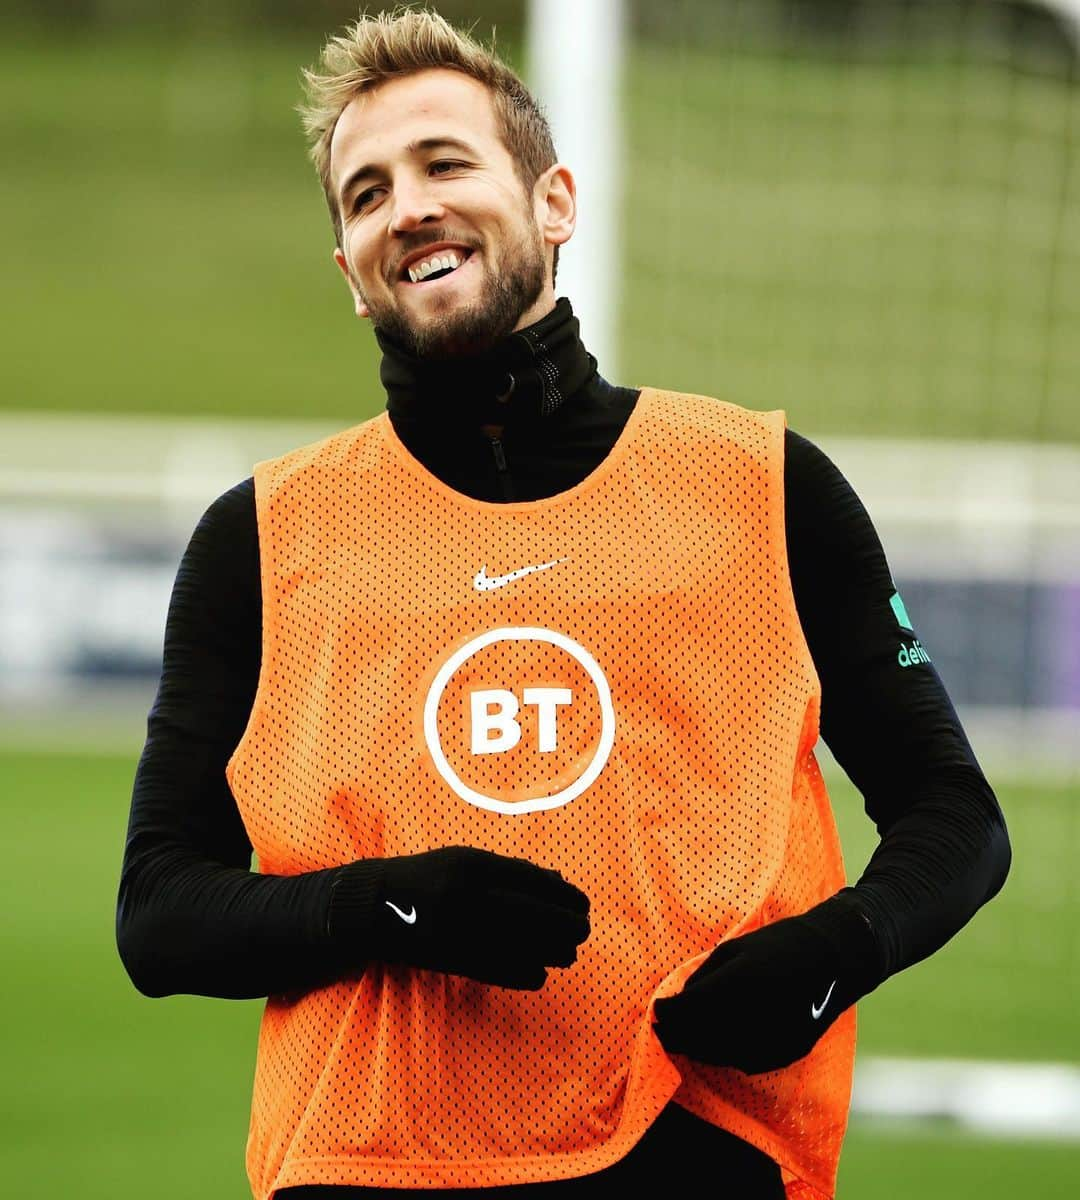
x=815 y=1011
x=486 y=583
x=408 y=917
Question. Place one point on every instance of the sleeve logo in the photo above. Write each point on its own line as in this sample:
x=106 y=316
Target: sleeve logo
x=913 y=655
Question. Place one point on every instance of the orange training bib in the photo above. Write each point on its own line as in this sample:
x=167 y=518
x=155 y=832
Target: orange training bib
x=611 y=682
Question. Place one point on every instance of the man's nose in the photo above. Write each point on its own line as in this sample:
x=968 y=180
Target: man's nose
x=413 y=204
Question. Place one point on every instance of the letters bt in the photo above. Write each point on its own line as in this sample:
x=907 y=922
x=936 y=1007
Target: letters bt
x=494 y=711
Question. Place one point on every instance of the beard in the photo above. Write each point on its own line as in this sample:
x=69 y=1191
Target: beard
x=467 y=329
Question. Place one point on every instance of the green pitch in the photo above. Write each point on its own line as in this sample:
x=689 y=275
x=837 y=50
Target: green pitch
x=884 y=248
x=110 y=1094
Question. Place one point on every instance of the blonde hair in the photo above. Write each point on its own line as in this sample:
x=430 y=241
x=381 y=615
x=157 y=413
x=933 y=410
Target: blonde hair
x=402 y=42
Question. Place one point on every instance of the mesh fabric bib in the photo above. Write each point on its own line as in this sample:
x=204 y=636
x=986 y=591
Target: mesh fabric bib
x=611 y=682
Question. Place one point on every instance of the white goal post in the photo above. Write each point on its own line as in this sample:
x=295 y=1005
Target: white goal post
x=574 y=56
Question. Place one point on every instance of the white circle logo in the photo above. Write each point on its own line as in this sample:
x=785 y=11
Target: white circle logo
x=581 y=759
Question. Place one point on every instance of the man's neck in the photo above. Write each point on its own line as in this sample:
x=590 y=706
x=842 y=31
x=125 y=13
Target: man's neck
x=519 y=381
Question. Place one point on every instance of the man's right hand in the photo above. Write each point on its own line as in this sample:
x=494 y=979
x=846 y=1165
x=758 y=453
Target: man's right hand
x=464 y=911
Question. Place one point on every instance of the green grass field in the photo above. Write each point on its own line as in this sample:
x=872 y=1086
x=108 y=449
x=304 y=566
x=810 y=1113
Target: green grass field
x=874 y=247
x=113 y=1095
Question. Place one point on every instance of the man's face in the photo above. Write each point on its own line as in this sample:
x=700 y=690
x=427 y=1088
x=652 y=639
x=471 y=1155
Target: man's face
x=424 y=182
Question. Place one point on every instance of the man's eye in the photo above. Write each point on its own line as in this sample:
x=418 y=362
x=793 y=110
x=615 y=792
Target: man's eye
x=443 y=165
x=363 y=199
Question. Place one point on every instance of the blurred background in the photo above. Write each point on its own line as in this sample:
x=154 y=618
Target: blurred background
x=864 y=212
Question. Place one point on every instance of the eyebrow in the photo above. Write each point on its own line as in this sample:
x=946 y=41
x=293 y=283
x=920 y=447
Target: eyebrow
x=371 y=171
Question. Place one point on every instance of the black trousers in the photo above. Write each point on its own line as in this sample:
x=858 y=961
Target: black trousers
x=678 y=1147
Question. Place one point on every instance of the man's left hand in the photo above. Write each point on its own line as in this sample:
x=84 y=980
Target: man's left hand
x=761 y=1001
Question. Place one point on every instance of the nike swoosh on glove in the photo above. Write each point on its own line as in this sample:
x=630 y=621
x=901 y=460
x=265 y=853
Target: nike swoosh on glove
x=761 y=1001
x=462 y=911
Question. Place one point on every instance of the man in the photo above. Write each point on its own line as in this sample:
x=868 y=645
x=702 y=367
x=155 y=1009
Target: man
x=515 y=690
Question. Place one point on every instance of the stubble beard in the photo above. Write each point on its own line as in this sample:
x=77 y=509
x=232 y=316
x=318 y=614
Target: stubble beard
x=471 y=329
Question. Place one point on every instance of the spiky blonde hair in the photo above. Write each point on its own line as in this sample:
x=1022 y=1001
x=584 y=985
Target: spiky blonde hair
x=402 y=42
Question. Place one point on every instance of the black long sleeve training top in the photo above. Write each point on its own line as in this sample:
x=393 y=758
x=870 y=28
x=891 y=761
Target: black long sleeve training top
x=193 y=917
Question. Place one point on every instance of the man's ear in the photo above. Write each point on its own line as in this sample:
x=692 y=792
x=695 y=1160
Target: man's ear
x=556 y=199
x=358 y=300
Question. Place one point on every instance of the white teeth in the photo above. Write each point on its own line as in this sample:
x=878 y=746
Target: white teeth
x=438 y=262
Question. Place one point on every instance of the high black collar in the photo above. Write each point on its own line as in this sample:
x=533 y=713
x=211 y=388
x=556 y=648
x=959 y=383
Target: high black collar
x=520 y=381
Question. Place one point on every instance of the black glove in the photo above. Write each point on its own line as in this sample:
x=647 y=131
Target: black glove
x=761 y=1001
x=460 y=910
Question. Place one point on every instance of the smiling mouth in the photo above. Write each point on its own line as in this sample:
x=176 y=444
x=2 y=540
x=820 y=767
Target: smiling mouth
x=435 y=266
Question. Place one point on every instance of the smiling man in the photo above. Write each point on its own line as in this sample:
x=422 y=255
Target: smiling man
x=442 y=240
x=514 y=692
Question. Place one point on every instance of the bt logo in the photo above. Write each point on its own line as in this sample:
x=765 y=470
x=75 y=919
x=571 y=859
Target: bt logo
x=519 y=719
x=494 y=711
